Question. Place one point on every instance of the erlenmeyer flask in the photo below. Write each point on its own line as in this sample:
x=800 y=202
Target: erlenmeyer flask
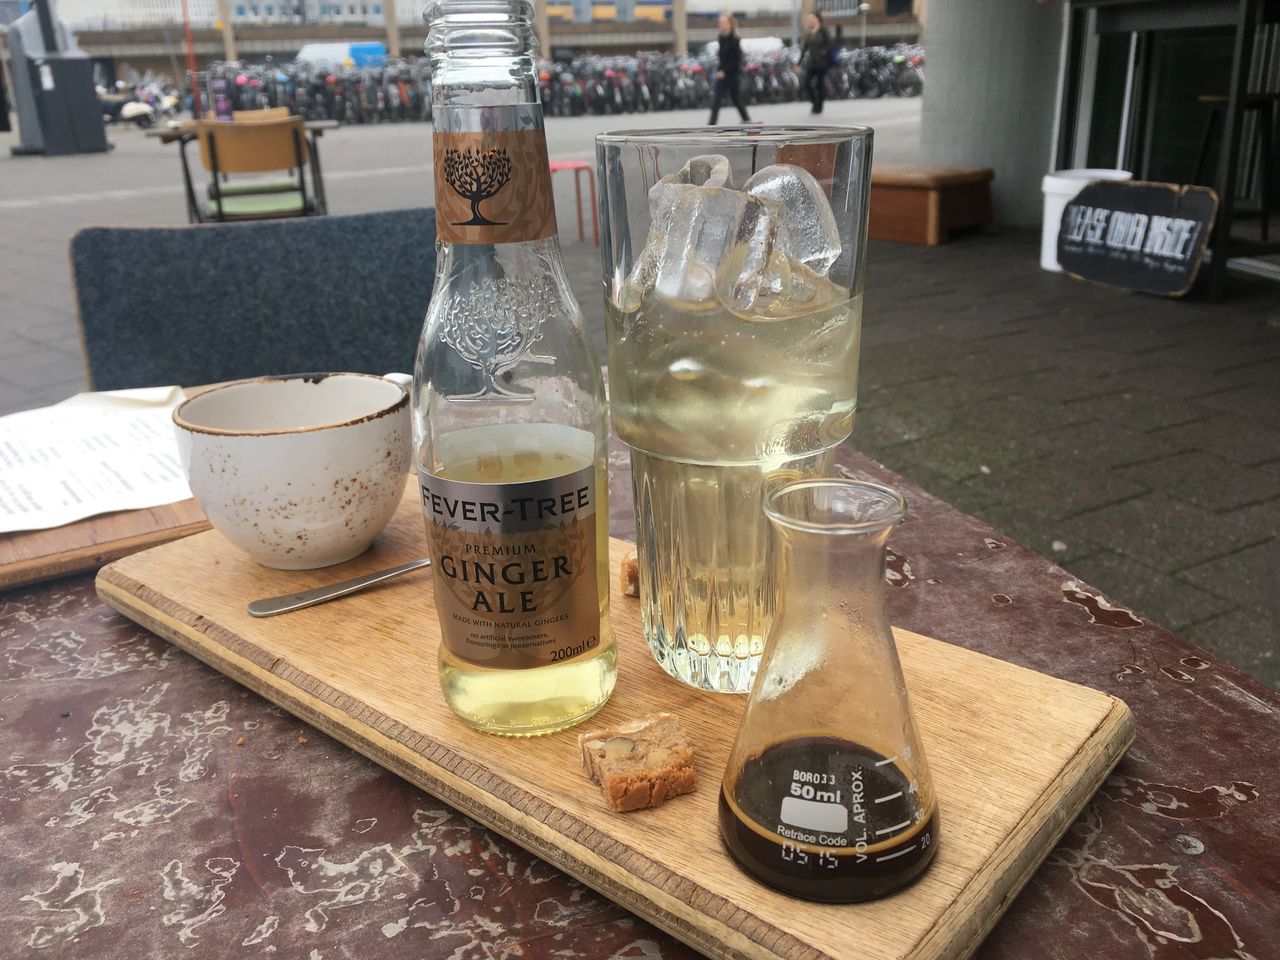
x=827 y=795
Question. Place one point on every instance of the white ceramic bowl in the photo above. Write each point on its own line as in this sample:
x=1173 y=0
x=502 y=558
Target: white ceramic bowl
x=300 y=471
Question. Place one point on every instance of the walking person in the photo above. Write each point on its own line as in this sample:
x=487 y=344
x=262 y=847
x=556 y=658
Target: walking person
x=815 y=57
x=728 y=69
x=4 y=102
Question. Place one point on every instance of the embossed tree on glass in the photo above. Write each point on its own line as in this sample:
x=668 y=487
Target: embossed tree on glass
x=509 y=410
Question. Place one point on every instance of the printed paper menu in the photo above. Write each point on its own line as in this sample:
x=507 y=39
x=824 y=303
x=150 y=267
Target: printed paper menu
x=95 y=453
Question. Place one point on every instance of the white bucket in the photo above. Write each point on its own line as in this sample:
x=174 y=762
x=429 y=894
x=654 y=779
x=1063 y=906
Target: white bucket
x=1060 y=187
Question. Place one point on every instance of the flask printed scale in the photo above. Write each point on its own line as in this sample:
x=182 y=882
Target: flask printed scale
x=827 y=819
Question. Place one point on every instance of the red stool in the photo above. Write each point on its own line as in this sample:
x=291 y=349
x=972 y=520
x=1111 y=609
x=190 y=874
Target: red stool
x=579 y=167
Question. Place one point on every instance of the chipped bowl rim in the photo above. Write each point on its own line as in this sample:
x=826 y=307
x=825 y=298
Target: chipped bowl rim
x=390 y=407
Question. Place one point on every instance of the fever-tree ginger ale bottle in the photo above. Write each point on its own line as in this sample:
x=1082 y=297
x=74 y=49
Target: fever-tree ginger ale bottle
x=509 y=409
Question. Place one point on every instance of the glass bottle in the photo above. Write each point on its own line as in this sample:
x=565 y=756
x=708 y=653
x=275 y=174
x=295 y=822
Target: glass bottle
x=509 y=407
x=827 y=795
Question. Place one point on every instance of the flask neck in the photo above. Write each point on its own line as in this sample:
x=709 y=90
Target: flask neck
x=831 y=537
x=848 y=569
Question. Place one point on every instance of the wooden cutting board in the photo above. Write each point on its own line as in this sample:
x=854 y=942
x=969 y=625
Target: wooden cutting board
x=34 y=555
x=30 y=556
x=1015 y=754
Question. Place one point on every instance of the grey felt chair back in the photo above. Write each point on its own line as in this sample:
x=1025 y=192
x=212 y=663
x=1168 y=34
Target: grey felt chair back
x=196 y=305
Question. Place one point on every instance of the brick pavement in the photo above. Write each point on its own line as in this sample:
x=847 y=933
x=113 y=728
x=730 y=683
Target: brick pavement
x=1132 y=440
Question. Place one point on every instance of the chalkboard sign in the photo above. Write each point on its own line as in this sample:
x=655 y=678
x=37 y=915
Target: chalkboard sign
x=1137 y=235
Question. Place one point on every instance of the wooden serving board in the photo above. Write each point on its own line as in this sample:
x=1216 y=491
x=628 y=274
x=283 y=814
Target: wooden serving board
x=1015 y=754
x=35 y=555
x=30 y=556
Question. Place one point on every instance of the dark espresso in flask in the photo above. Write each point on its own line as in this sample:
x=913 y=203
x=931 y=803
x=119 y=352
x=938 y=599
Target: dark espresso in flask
x=827 y=819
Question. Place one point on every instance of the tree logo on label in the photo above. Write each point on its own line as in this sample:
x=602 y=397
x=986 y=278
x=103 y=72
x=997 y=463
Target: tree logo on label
x=476 y=176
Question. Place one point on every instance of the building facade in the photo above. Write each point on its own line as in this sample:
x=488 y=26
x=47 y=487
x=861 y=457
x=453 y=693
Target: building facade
x=128 y=38
x=104 y=15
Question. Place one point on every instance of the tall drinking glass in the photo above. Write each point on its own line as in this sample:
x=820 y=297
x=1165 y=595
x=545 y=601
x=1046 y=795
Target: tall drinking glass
x=733 y=273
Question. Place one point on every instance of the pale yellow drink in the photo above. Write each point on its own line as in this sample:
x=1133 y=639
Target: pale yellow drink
x=718 y=407
x=549 y=698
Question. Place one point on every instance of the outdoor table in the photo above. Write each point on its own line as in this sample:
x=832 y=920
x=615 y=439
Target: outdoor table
x=186 y=130
x=152 y=808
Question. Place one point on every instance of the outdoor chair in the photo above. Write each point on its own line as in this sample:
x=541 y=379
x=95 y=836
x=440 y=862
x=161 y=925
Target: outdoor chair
x=577 y=168
x=914 y=203
x=247 y=147
x=257 y=116
x=246 y=187
x=250 y=116
x=250 y=299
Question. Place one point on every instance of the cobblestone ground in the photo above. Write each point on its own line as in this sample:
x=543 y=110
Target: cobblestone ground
x=1132 y=440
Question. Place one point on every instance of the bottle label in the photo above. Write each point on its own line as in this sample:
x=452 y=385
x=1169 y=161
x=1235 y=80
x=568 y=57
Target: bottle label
x=515 y=568
x=493 y=179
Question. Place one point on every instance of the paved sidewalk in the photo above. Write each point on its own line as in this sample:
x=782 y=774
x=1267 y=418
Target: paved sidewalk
x=1134 y=440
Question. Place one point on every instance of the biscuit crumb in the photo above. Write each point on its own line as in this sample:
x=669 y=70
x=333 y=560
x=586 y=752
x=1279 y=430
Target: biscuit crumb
x=630 y=577
x=639 y=764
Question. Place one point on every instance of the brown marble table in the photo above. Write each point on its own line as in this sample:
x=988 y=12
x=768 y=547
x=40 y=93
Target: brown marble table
x=151 y=808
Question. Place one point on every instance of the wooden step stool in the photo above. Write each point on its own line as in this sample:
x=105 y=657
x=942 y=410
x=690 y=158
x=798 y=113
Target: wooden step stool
x=922 y=204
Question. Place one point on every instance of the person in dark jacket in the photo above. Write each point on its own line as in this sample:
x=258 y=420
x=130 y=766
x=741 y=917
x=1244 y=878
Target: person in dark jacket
x=4 y=103
x=815 y=55
x=729 y=69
